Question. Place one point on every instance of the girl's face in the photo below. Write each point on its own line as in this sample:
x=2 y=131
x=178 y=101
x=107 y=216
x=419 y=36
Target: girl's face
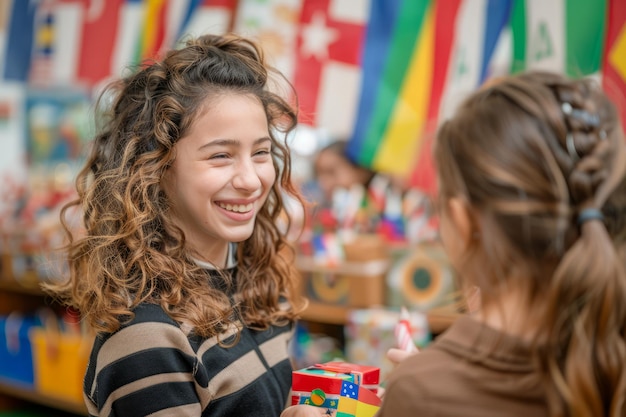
x=221 y=176
x=333 y=171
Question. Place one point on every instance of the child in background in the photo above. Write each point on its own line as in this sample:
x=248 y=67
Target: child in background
x=532 y=176
x=182 y=268
x=334 y=170
x=358 y=199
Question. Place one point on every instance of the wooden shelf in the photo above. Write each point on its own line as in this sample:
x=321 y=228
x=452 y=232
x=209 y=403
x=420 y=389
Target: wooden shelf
x=333 y=314
x=25 y=392
x=29 y=288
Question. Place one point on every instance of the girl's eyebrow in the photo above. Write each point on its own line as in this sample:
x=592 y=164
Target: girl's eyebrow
x=232 y=142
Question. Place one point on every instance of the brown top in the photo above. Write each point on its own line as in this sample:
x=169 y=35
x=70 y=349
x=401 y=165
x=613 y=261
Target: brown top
x=470 y=370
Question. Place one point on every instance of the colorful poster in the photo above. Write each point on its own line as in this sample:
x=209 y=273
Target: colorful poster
x=57 y=126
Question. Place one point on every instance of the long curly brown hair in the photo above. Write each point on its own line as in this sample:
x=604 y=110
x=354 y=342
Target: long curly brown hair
x=529 y=153
x=131 y=251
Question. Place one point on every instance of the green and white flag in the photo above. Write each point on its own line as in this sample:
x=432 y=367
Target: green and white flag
x=565 y=36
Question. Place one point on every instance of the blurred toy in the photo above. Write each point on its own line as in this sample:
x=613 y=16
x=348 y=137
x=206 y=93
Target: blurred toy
x=421 y=279
x=369 y=334
x=404 y=332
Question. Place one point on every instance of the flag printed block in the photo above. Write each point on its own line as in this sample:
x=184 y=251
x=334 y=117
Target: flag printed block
x=322 y=385
x=356 y=401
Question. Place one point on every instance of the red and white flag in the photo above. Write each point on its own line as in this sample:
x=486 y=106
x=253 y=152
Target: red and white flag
x=328 y=63
x=98 y=44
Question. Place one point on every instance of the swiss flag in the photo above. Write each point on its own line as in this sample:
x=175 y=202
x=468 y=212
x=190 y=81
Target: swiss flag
x=327 y=75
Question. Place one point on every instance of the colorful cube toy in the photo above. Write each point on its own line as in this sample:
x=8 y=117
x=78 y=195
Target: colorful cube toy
x=346 y=387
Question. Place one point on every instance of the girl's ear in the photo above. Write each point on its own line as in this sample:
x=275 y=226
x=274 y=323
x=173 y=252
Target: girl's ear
x=463 y=221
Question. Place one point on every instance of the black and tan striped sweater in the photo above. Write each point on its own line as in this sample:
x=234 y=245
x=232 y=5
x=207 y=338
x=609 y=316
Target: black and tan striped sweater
x=151 y=367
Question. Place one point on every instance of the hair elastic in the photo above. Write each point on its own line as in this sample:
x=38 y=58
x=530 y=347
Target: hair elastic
x=584 y=116
x=589 y=214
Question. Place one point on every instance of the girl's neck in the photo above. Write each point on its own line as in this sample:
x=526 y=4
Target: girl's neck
x=509 y=314
x=223 y=260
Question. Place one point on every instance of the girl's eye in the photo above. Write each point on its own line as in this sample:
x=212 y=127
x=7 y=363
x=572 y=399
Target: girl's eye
x=219 y=156
x=262 y=152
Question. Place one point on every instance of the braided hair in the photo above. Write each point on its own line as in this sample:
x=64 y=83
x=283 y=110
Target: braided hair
x=541 y=159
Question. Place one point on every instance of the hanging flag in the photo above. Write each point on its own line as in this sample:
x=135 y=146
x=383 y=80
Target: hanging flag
x=394 y=100
x=274 y=23
x=19 y=41
x=127 y=34
x=423 y=175
x=154 y=27
x=328 y=63
x=477 y=30
x=98 y=43
x=614 y=60
x=207 y=16
x=58 y=33
x=565 y=36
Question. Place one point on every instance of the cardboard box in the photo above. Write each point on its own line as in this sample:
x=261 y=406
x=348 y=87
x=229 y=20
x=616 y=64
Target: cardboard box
x=358 y=281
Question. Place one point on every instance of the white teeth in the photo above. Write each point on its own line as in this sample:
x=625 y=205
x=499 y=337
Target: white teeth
x=237 y=208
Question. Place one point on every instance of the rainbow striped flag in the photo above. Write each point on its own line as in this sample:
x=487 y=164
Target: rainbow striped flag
x=153 y=33
x=397 y=71
x=419 y=55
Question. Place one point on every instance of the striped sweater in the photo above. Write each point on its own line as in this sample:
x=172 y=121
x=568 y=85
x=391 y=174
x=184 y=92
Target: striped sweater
x=151 y=367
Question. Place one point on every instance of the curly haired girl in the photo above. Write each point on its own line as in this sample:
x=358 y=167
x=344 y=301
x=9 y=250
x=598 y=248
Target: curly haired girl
x=182 y=267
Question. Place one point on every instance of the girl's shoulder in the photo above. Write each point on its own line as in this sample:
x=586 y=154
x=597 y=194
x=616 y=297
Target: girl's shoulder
x=149 y=321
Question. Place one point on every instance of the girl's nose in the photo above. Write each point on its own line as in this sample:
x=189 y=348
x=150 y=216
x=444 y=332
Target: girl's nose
x=246 y=177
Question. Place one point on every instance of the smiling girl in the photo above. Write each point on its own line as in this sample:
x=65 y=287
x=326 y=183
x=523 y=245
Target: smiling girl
x=182 y=268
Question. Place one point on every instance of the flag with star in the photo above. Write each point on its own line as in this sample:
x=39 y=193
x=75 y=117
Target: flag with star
x=614 y=60
x=357 y=401
x=565 y=36
x=328 y=63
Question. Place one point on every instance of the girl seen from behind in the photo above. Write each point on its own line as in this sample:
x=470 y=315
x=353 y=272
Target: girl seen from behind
x=182 y=269
x=532 y=182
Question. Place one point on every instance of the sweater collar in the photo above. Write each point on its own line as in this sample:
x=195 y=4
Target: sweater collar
x=478 y=342
x=231 y=260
